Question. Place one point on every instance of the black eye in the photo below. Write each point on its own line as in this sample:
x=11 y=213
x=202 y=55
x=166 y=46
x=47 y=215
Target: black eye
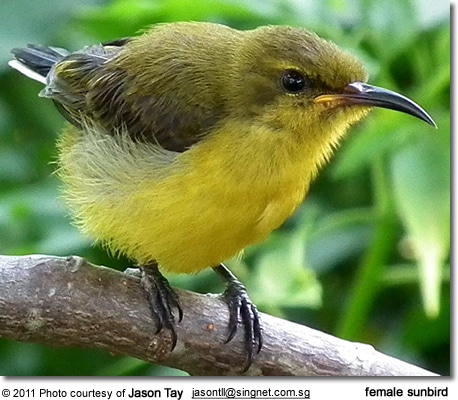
x=293 y=81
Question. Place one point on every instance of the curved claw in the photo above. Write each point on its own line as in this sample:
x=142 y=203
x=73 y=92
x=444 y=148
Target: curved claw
x=241 y=312
x=161 y=300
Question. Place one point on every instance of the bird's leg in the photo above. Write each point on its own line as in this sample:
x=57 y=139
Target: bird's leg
x=241 y=312
x=161 y=299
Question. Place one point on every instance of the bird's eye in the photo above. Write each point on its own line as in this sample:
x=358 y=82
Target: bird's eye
x=293 y=81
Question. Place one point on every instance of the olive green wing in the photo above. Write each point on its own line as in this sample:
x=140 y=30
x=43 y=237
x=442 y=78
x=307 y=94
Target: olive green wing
x=97 y=85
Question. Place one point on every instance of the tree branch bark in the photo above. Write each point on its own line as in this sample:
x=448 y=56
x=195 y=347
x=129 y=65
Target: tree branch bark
x=69 y=302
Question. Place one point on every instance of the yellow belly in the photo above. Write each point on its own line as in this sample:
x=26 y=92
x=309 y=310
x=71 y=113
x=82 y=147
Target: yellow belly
x=188 y=211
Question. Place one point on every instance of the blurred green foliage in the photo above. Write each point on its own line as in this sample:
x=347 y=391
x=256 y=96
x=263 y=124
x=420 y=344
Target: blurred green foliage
x=365 y=258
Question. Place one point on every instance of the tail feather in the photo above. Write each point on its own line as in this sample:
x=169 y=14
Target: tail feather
x=35 y=61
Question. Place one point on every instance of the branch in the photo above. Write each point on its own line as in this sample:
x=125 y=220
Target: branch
x=69 y=302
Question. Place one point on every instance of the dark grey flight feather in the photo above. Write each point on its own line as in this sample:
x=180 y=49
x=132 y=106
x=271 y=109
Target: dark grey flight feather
x=84 y=87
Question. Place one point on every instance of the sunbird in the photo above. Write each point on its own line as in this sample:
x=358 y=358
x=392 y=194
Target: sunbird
x=192 y=141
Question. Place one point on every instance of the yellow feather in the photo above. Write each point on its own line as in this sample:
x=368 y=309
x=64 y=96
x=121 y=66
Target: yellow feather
x=195 y=209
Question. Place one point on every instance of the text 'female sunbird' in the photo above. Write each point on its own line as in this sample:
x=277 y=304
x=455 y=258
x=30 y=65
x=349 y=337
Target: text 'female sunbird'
x=194 y=140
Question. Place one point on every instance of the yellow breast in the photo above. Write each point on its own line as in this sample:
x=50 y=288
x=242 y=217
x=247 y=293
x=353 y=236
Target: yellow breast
x=188 y=211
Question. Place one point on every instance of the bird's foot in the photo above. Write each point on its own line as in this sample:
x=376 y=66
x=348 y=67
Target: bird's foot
x=241 y=312
x=161 y=299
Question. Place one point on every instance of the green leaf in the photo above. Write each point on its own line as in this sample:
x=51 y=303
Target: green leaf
x=283 y=279
x=21 y=25
x=421 y=187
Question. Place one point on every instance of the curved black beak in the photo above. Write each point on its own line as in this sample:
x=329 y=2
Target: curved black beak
x=364 y=94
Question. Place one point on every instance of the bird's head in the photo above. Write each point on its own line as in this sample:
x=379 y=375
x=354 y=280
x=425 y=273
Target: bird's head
x=292 y=80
